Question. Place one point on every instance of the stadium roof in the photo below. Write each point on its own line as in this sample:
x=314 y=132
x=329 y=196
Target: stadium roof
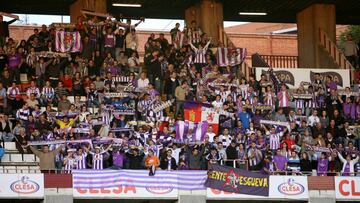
x=347 y=11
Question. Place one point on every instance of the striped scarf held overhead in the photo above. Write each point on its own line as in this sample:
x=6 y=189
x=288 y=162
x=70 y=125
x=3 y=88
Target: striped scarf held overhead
x=163 y=105
x=81 y=130
x=160 y=119
x=125 y=79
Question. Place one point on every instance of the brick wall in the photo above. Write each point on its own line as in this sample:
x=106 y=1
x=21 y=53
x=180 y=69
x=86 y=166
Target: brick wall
x=21 y=32
x=266 y=44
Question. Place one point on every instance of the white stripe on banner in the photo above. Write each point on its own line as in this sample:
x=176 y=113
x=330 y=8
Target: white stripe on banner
x=184 y=180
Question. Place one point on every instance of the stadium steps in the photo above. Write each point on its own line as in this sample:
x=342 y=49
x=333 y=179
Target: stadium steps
x=14 y=162
x=19 y=169
x=10 y=147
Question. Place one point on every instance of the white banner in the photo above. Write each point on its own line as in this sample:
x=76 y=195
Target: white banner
x=288 y=187
x=214 y=194
x=347 y=188
x=280 y=188
x=29 y=186
x=294 y=76
x=125 y=192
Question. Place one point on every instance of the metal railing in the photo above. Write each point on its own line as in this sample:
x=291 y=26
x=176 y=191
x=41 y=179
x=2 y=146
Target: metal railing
x=236 y=163
x=280 y=61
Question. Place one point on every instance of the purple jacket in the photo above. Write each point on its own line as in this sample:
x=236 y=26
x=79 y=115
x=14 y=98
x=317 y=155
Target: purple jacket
x=118 y=159
x=14 y=61
x=280 y=162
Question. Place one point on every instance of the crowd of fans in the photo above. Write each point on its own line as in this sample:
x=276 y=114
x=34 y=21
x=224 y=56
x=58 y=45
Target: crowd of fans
x=69 y=98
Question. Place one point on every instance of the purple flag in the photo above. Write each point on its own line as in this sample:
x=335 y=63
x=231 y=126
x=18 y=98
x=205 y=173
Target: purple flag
x=199 y=131
x=194 y=131
x=182 y=129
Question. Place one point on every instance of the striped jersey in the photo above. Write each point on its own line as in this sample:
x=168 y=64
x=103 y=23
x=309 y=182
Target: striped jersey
x=283 y=99
x=269 y=101
x=256 y=159
x=33 y=90
x=200 y=54
x=23 y=114
x=243 y=89
x=80 y=161
x=48 y=92
x=98 y=160
x=143 y=106
x=250 y=96
x=223 y=95
x=70 y=165
x=13 y=91
x=274 y=141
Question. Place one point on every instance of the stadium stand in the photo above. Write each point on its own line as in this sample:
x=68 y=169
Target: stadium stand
x=96 y=93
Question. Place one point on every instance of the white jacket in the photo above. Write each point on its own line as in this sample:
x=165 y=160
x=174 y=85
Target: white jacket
x=352 y=163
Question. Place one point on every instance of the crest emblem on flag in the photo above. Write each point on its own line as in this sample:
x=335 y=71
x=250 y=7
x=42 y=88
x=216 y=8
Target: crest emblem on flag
x=210 y=117
x=192 y=116
x=69 y=40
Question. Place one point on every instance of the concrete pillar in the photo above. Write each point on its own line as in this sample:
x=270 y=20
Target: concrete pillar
x=58 y=195
x=322 y=196
x=192 y=199
x=208 y=15
x=99 y=6
x=193 y=196
x=309 y=21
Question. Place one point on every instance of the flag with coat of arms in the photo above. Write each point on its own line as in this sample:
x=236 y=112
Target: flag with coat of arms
x=199 y=112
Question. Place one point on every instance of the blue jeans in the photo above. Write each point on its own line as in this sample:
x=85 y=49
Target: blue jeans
x=6 y=137
x=179 y=108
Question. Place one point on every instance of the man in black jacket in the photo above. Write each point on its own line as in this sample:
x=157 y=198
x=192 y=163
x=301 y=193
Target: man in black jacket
x=170 y=86
x=135 y=159
x=4 y=27
x=168 y=162
x=54 y=69
x=154 y=67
